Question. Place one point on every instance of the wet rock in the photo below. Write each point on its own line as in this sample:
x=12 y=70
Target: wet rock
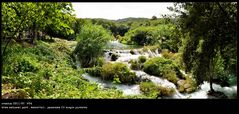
x=181 y=82
x=189 y=90
x=132 y=52
x=216 y=95
x=110 y=53
x=186 y=85
x=114 y=57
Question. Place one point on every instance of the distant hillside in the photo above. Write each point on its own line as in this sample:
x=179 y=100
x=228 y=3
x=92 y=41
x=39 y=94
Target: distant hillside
x=132 y=19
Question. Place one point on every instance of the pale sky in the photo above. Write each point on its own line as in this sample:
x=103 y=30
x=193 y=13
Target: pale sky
x=119 y=10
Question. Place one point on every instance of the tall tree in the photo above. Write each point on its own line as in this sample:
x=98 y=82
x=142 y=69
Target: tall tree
x=212 y=29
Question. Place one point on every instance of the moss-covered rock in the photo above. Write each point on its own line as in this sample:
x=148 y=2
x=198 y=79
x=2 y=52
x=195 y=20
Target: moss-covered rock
x=110 y=71
x=186 y=86
x=162 y=67
x=153 y=90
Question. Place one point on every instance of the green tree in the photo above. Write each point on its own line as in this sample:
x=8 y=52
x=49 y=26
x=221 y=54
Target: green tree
x=91 y=41
x=211 y=29
x=154 y=18
x=27 y=19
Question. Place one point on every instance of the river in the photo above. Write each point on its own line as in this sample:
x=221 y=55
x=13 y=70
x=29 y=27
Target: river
x=125 y=56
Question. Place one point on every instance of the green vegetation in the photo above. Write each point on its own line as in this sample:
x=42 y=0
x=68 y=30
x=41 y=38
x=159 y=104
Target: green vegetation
x=162 y=67
x=214 y=41
x=110 y=71
x=155 y=91
x=90 y=44
x=168 y=55
x=151 y=48
x=188 y=85
x=137 y=64
x=142 y=59
x=46 y=50
x=44 y=71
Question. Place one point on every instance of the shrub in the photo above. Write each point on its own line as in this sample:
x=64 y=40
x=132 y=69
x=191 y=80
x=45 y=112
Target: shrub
x=91 y=41
x=24 y=63
x=162 y=67
x=153 y=90
x=95 y=71
x=120 y=70
x=135 y=65
x=166 y=91
x=100 y=61
x=25 y=66
x=116 y=80
x=170 y=75
x=168 y=55
x=141 y=36
x=142 y=59
x=149 y=89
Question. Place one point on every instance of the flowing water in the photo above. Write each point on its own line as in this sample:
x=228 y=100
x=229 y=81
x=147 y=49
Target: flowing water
x=125 y=56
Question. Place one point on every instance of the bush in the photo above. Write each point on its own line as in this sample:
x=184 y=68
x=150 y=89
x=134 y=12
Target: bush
x=162 y=67
x=142 y=59
x=95 y=71
x=25 y=66
x=149 y=89
x=153 y=90
x=170 y=75
x=119 y=70
x=166 y=91
x=91 y=41
x=135 y=65
x=99 y=61
x=141 y=36
x=168 y=55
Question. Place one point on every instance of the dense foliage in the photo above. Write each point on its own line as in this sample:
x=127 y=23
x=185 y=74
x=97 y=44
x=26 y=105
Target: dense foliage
x=110 y=71
x=44 y=71
x=210 y=45
x=91 y=41
x=155 y=91
x=162 y=67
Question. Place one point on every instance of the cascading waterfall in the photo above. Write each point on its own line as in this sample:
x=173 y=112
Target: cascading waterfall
x=125 y=56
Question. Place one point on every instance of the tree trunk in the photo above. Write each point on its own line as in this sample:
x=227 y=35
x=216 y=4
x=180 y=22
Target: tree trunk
x=211 y=75
x=210 y=80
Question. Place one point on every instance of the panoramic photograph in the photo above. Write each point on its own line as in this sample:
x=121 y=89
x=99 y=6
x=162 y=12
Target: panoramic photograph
x=119 y=50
